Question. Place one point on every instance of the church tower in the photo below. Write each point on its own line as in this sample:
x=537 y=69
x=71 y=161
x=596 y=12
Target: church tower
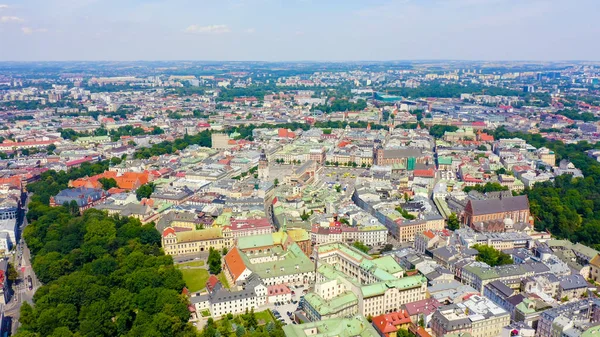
x=263 y=166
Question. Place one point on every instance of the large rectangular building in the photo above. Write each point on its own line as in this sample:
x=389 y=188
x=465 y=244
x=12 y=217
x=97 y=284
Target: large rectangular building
x=481 y=211
x=478 y=316
x=350 y=282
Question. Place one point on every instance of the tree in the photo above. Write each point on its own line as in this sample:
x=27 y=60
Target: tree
x=453 y=223
x=438 y=131
x=115 y=161
x=492 y=256
x=73 y=207
x=501 y=170
x=276 y=182
x=388 y=247
x=107 y=183
x=224 y=251
x=304 y=216
x=144 y=191
x=361 y=246
x=50 y=148
x=12 y=273
x=101 y=274
x=488 y=187
x=214 y=261
x=405 y=214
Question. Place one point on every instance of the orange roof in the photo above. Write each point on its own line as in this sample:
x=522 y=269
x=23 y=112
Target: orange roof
x=428 y=173
x=14 y=181
x=390 y=322
x=429 y=234
x=212 y=282
x=132 y=180
x=235 y=263
x=421 y=332
x=484 y=137
x=167 y=231
x=148 y=202
x=115 y=190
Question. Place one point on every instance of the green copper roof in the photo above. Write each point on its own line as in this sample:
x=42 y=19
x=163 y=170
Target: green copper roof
x=357 y=326
x=402 y=283
x=332 y=306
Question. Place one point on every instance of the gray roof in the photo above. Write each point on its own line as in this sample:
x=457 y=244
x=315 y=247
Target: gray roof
x=492 y=206
x=80 y=195
x=502 y=288
x=574 y=281
x=220 y=294
x=402 y=153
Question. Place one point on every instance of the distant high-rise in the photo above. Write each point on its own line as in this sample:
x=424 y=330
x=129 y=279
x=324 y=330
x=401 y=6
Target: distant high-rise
x=528 y=88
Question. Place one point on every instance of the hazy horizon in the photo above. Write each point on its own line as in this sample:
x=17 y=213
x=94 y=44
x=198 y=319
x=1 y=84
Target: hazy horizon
x=299 y=30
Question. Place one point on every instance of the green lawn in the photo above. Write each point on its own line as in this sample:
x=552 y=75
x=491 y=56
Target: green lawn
x=198 y=263
x=223 y=280
x=195 y=279
x=264 y=317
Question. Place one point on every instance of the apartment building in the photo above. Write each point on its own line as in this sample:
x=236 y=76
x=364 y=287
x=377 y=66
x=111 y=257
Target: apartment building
x=349 y=281
x=177 y=241
x=477 y=316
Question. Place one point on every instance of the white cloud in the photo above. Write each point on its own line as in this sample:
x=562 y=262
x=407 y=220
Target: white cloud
x=250 y=31
x=7 y=19
x=3 y=6
x=212 y=29
x=29 y=30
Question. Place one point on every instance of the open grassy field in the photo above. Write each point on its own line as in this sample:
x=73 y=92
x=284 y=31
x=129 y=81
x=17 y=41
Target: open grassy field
x=195 y=279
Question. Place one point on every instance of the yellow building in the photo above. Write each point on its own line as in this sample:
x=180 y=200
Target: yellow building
x=194 y=241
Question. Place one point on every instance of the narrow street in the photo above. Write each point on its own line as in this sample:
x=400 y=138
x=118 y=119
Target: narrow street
x=21 y=259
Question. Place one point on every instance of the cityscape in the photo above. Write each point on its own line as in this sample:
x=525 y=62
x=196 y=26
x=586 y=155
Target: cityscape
x=308 y=193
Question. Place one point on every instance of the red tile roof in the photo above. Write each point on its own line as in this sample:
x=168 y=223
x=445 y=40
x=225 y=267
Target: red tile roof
x=278 y=289
x=235 y=263
x=212 y=282
x=390 y=322
x=429 y=234
x=429 y=173
x=168 y=231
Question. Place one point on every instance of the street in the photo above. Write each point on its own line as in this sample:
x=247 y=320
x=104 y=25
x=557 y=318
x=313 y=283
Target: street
x=21 y=260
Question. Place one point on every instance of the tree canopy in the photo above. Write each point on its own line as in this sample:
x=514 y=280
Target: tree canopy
x=103 y=276
x=51 y=182
x=488 y=187
x=492 y=256
x=361 y=246
x=453 y=223
x=144 y=191
x=568 y=207
x=438 y=130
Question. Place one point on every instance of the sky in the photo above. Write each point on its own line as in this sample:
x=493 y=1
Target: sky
x=292 y=30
